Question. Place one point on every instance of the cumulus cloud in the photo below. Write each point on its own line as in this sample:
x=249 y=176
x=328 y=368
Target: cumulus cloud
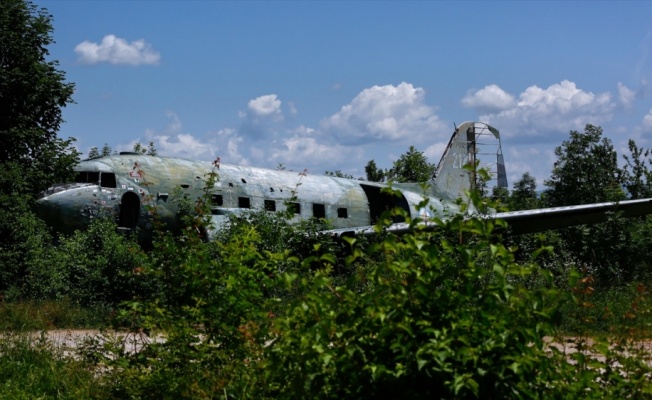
x=305 y=147
x=184 y=145
x=263 y=117
x=626 y=95
x=172 y=141
x=265 y=106
x=115 y=50
x=559 y=108
x=491 y=98
x=388 y=112
x=307 y=151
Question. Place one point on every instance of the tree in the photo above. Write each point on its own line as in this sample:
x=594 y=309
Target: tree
x=412 y=166
x=32 y=93
x=637 y=177
x=95 y=153
x=338 y=174
x=106 y=151
x=586 y=170
x=374 y=174
x=150 y=150
x=524 y=195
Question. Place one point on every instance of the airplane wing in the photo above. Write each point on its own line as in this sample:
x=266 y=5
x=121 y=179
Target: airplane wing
x=530 y=221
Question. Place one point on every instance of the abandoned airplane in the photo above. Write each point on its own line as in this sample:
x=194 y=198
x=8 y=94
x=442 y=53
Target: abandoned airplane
x=129 y=185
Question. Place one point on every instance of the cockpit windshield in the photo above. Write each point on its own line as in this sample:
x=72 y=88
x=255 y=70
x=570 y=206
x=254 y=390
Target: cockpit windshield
x=105 y=179
x=87 y=177
x=60 y=187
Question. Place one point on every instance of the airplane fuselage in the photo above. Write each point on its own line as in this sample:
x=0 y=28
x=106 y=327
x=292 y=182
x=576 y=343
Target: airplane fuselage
x=131 y=187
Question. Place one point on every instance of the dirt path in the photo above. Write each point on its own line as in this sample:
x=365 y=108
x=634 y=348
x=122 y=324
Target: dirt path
x=70 y=339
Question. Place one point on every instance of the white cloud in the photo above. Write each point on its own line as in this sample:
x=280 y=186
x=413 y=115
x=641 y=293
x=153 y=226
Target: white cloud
x=115 y=50
x=647 y=121
x=263 y=117
x=537 y=160
x=265 y=106
x=171 y=141
x=307 y=152
x=544 y=112
x=174 y=126
x=435 y=151
x=184 y=145
x=293 y=108
x=388 y=112
x=488 y=99
x=626 y=95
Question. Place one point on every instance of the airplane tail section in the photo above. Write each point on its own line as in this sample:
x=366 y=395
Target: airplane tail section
x=473 y=146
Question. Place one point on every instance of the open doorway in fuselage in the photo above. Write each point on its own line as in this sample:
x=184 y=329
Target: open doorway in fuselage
x=379 y=202
x=129 y=211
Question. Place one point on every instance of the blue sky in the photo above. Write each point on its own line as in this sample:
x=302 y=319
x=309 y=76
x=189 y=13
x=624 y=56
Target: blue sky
x=332 y=84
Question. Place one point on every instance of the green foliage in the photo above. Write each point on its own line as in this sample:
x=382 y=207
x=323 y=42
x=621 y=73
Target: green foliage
x=437 y=319
x=150 y=150
x=95 y=268
x=32 y=368
x=95 y=153
x=32 y=93
x=374 y=174
x=586 y=170
x=637 y=176
x=412 y=166
x=338 y=174
x=444 y=314
x=211 y=309
x=62 y=314
x=524 y=195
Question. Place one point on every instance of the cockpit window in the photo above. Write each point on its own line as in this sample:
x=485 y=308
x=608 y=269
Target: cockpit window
x=87 y=177
x=107 y=180
x=104 y=179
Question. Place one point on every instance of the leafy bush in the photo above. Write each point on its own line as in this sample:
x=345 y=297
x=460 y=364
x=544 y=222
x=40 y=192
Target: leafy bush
x=93 y=268
x=439 y=319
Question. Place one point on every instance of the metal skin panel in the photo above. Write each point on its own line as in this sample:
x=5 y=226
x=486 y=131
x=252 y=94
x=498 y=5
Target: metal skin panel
x=131 y=187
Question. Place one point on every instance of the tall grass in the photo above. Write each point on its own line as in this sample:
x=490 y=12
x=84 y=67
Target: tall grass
x=32 y=368
x=63 y=314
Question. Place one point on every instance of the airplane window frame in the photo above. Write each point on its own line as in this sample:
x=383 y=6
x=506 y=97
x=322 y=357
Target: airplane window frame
x=108 y=180
x=319 y=210
x=88 y=177
x=270 y=205
x=217 y=200
x=295 y=207
x=244 y=202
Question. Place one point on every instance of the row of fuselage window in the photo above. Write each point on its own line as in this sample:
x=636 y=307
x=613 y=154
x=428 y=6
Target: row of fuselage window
x=318 y=210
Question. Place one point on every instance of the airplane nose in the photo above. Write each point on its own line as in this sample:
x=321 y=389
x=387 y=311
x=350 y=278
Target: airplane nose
x=48 y=210
x=59 y=208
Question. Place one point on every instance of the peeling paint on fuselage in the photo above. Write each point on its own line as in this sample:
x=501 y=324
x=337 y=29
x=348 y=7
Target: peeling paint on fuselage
x=129 y=187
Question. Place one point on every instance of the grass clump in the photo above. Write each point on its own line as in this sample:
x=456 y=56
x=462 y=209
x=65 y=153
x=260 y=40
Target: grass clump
x=33 y=368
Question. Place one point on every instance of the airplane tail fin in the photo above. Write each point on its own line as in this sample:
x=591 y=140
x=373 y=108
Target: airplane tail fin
x=474 y=145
